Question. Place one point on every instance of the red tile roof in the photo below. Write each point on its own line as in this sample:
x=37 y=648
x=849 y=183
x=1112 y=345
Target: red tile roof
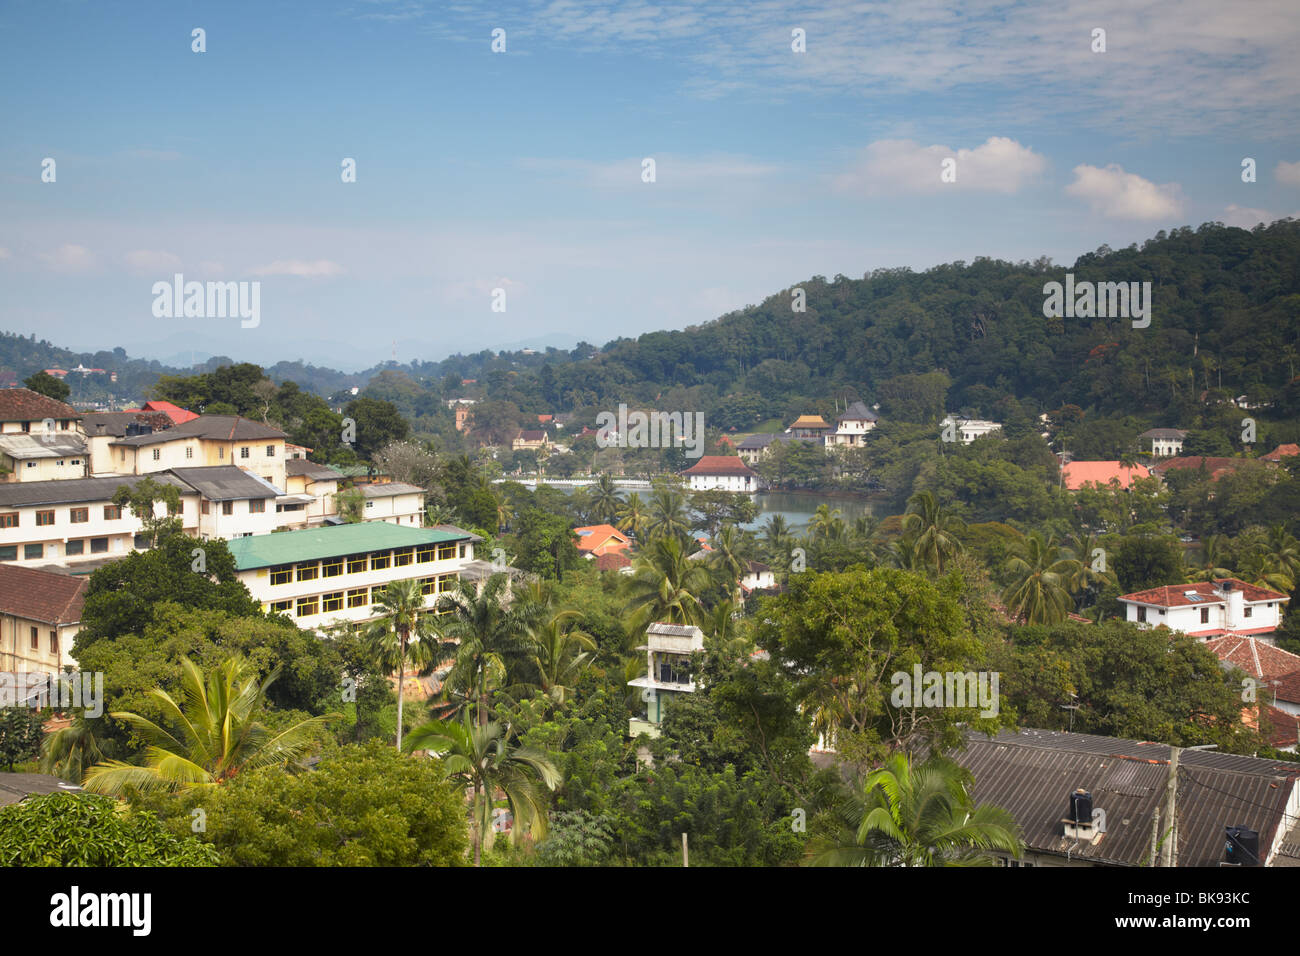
x=1076 y=474
x=1215 y=466
x=41 y=595
x=720 y=465
x=24 y=405
x=1257 y=658
x=1175 y=595
x=613 y=561
x=593 y=537
x=178 y=415
x=1283 y=451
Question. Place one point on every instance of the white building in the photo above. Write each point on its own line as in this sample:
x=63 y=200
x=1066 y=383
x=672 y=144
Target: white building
x=206 y=440
x=668 y=650
x=722 y=473
x=335 y=573
x=393 y=501
x=851 y=427
x=966 y=430
x=1165 y=442
x=40 y=614
x=1205 y=610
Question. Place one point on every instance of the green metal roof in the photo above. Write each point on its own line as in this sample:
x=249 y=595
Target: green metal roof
x=310 y=544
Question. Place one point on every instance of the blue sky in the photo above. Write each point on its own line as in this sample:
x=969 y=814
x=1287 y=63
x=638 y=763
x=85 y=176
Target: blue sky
x=522 y=170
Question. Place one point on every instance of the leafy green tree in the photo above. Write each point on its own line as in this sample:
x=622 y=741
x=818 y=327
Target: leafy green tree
x=142 y=499
x=1042 y=576
x=67 y=829
x=21 y=732
x=482 y=756
x=379 y=423
x=402 y=633
x=667 y=585
x=49 y=386
x=350 y=504
x=1147 y=561
x=910 y=814
x=217 y=736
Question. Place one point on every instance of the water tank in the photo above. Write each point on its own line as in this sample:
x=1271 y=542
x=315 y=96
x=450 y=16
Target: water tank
x=1081 y=806
x=1241 y=847
x=137 y=428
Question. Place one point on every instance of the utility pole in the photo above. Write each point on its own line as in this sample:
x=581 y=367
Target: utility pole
x=1170 y=854
x=1155 y=836
x=686 y=860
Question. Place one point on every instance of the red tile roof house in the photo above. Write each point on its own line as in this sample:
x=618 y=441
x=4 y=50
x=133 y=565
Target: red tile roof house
x=721 y=473
x=598 y=539
x=1283 y=451
x=1276 y=671
x=1076 y=474
x=40 y=614
x=1206 y=609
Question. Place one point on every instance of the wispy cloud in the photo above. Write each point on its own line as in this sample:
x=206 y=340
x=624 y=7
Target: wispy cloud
x=70 y=258
x=891 y=166
x=319 y=268
x=1115 y=194
x=1248 y=218
x=151 y=261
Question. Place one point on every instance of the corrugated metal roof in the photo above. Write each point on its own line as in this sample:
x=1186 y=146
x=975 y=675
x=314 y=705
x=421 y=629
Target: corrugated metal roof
x=225 y=483
x=76 y=490
x=56 y=445
x=310 y=544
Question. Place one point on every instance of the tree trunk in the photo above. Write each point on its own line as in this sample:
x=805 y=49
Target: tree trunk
x=401 y=679
x=478 y=829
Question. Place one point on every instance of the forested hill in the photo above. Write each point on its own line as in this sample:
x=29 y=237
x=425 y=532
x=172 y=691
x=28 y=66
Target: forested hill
x=1226 y=309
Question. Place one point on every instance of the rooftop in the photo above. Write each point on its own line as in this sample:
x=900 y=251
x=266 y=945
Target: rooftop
x=39 y=595
x=225 y=483
x=212 y=427
x=48 y=445
x=388 y=489
x=14 y=787
x=809 y=421
x=76 y=490
x=1163 y=433
x=24 y=405
x=1201 y=592
x=720 y=465
x=1076 y=474
x=858 y=412
x=305 y=468
x=332 y=541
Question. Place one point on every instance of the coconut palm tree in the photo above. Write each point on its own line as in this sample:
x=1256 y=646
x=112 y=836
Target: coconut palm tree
x=1087 y=579
x=667 y=584
x=668 y=514
x=482 y=756
x=1212 y=563
x=777 y=540
x=824 y=522
x=559 y=654
x=69 y=752
x=403 y=634
x=728 y=558
x=1283 y=553
x=217 y=734
x=1040 y=590
x=933 y=531
x=491 y=638
x=909 y=814
x=436 y=514
x=633 y=516
x=902 y=553
x=605 y=502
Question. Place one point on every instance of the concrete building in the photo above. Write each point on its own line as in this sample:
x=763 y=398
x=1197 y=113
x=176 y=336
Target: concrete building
x=206 y=440
x=966 y=430
x=852 y=426
x=394 y=502
x=1164 y=442
x=721 y=473
x=668 y=650
x=40 y=614
x=1207 y=609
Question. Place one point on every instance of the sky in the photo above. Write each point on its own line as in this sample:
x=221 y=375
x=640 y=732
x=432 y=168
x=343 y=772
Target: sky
x=524 y=171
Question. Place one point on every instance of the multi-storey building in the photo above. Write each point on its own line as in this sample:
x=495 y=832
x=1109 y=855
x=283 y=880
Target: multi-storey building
x=668 y=649
x=1208 y=609
x=852 y=426
x=206 y=440
x=40 y=614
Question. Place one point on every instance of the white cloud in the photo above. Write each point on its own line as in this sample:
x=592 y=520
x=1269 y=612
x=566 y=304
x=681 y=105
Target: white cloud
x=70 y=258
x=1115 y=194
x=151 y=261
x=1248 y=218
x=1288 y=173
x=298 y=267
x=891 y=166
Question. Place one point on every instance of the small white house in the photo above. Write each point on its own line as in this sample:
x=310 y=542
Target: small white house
x=722 y=473
x=1207 y=609
x=851 y=427
x=966 y=430
x=1165 y=442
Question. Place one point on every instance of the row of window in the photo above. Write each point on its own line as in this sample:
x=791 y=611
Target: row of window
x=353 y=598
x=32 y=463
x=1246 y=611
x=65 y=424
x=360 y=563
x=46 y=518
x=244 y=452
x=36 y=641
x=34 y=552
x=256 y=506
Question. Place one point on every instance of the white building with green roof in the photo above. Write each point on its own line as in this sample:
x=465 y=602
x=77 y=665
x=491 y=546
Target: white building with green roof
x=335 y=574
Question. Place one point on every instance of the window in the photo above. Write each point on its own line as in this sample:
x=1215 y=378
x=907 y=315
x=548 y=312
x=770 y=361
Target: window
x=403 y=557
x=9 y=552
x=1247 y=611
x=75 y=461
x=44 y=518
x=243 y=452
x=309 y=572
x=203 y=506
x=36 y=639
x=9 y=520
x=308 y=606
x=256 y=506
x=281 y=607
x=157 y=454
x=1142 y=615
x=221 y=453
x=227 y=507
x=358 y=597
x=461 y=550
x=356 y=564
x=331 y=568
x=98 y=545
x=447 y=582
x=33 y=551
x=1205 y=615
x=31 y=464
x=27 y=427
x=369 y=504
x=381 y=560
x=189 y=452
x=79 y=515
x=59 y=463
x=446 y=552
x=425 y=553
x=428 y=585
x=54 y=642
x=112 y=512
x=270 y=451
x=63 y=424
x=140 y=542
x=282 y=574
x=332 y=602
x=75 y=547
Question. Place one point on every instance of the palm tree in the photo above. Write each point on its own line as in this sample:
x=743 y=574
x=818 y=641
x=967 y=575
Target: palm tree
x=908 y=814
x=777 y=540
x=402 y=634
x=903 y=554
x=1283 y=552
x=560 y=654
x=1040 y=591
x=667 y=584
x=723 y=635
x=482 y=756
x=491 y=637
x=933 y=531
x=69 y=752
x=632 y=516
x=604 y=500
x=1212 y=561
x=824 y=522
x=728 y=558
x=217 y=735
x=1086 y=578
x=435 y=514
x=668 y=517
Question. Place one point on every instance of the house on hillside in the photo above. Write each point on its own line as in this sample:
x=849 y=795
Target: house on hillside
x=668 y=650
x=721 y=473
x=530 y=440
x=1076 y=474
x=40 y=614
x=1163 y=442
x=1290 y=450
x=966 y=430
x=851 y=427
x=753 y=447
x=601 y=539
x=205 y=440
x=1205 y=609
x=1216 y=468
x=809 y=426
